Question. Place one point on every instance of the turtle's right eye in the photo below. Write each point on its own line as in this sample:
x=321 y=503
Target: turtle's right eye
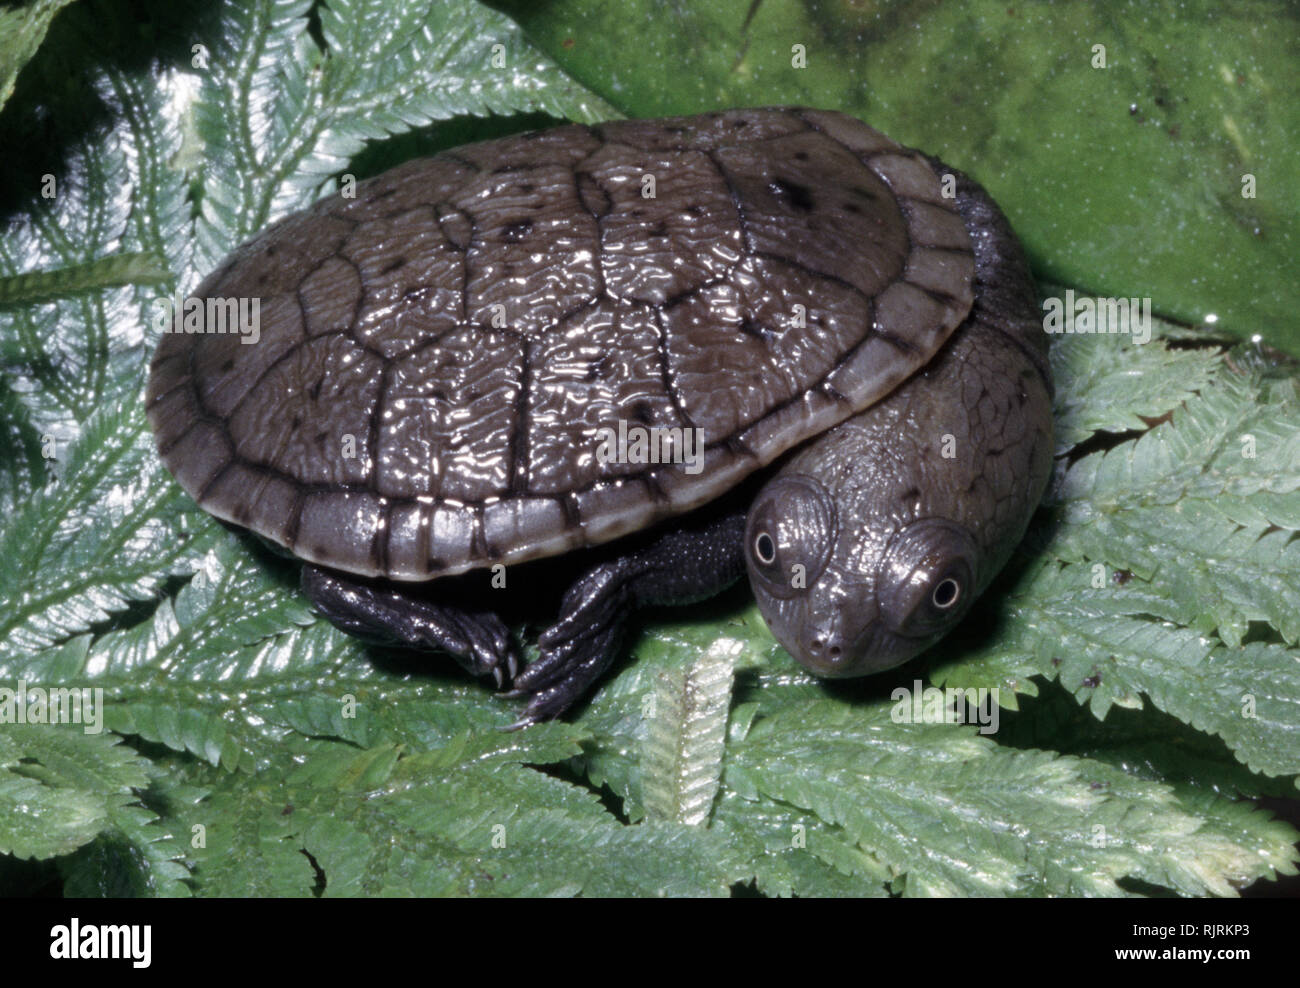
x=789 y=535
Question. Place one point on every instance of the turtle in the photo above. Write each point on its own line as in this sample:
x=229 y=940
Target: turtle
x=671 y=352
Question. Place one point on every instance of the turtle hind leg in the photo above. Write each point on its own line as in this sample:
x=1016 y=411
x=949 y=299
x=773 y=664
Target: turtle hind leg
x=684 y=564
x=384 y=614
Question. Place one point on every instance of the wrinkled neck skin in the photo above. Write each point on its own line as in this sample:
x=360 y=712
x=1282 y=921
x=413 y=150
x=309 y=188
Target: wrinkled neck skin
x=881 y=533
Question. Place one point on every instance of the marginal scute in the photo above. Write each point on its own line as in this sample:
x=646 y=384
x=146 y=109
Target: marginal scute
x=441 y=355
x=339 y=522
x=908 y=175
x=938 y=270
x=936 y=226
x=238 y=488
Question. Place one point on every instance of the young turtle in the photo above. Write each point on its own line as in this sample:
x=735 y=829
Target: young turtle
x=476 y=359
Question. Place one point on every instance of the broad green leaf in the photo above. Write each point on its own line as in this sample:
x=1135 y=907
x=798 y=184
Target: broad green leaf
x=1140 y=150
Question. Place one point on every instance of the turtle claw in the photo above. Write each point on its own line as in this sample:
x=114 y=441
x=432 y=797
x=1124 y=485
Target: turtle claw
x=565 y=670
x=478 y=640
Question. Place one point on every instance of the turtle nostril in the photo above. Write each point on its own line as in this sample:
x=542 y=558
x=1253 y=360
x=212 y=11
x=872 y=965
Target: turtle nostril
x=825 y=646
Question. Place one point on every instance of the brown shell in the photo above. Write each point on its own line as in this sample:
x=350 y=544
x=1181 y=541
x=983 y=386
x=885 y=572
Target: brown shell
x=467 y=324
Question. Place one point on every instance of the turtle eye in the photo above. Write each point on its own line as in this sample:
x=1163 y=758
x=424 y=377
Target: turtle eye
x=926 y=577
x=789 y=535
x=947 y=593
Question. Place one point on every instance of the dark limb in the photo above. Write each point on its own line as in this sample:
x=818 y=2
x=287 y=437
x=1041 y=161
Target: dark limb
x=383 y=613
x=682 y=565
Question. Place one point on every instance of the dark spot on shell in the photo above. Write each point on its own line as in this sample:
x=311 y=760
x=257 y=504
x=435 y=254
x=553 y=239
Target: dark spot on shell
x=527 y=188
x=516 y=232
x=1121 y=577
x=643 y=412
x=740 y=123
x=862 y=193
x=798 y=196
x=228 y=366
x=315 y=388
x=393 y=265
x=1092 y=682
x=660 y=229
x=852 y=207
x=753 y=328
x=801 y=156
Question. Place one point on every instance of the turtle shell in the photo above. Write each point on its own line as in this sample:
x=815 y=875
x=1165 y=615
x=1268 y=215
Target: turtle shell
x=438 y=357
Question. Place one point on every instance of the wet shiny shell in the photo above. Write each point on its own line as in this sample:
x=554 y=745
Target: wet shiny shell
x=439 y=354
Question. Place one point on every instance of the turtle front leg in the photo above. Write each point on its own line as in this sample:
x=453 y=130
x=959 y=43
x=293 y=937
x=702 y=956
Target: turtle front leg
x=685 y=564
x=478 y=640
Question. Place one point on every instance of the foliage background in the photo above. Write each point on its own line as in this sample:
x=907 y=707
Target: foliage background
x=1145 y=638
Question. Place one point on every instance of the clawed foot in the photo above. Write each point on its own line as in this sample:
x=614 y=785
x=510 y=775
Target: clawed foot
x=575 y=651
x=481 y=643
x=478 y=640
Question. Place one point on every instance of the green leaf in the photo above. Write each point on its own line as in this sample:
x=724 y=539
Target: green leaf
x=1163 y=173
x=59 y=786
x=682 y=755
x=104 y=533
x=469 y=819
x=44 y=286
x=21 y=32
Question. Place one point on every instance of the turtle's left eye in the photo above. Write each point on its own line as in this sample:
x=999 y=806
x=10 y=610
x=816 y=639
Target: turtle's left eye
x=789 y=535
x=927 y=577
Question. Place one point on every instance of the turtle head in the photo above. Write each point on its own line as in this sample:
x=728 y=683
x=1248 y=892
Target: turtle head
x=851 y=578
